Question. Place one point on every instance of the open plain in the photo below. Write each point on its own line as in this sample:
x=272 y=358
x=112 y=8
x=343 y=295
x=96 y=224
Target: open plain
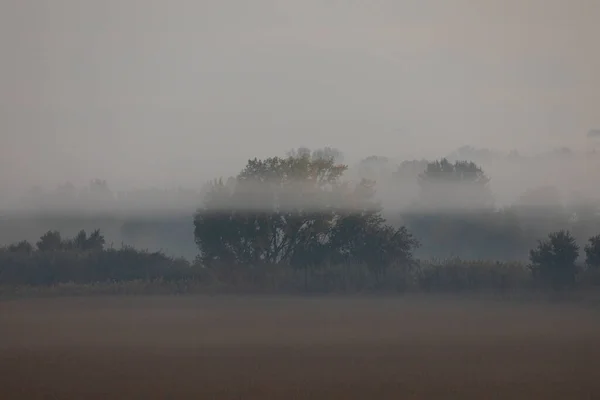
x=227 y=347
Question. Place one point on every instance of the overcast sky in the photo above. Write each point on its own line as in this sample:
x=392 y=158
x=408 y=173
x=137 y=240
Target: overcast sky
x=171 y=92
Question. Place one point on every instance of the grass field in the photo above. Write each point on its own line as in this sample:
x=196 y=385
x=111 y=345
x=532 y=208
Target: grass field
x=226 y=347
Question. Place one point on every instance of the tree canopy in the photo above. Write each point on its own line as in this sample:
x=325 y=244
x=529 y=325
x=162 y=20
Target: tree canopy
x=296 y=210
x=457 y=186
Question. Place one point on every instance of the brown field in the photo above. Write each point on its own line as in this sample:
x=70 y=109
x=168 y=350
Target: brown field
x=296 y=348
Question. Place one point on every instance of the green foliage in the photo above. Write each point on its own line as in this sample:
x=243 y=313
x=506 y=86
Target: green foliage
x=553 y=260
x=592 y=252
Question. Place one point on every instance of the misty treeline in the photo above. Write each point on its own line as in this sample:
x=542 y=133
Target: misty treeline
x=84 y=258
x=86 y=261
x=306 y=221
x=522 y=199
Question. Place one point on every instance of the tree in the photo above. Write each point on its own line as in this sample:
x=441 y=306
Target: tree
x=325 y=153
x=98 y=196
x=592 y=252
x=458 y=186
x=21 y=247
x=81 y=242
x=375 y=168
x=296 y=211
x=454 y=213
x=553 y=260
x=50 y=241
x=361 y=235
x=95 y=241
x=411 y=170
x=277 y=211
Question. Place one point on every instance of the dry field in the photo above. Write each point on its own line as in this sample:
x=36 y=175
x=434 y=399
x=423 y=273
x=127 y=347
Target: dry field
x=296 y=348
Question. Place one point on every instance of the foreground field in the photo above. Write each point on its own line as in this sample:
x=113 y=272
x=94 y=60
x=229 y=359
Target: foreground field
x=293 y=348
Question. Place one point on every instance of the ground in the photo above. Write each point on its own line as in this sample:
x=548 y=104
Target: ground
x=296 y=348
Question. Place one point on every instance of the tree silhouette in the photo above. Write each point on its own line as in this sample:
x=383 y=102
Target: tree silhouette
x=553 y=260
x=50 y=241
x=592 y=252
x=274 y=210
x=296 y=211
x=21 y=247
x=458 y=186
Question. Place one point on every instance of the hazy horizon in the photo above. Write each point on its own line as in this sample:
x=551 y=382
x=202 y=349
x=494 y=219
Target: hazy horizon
x=149 y=93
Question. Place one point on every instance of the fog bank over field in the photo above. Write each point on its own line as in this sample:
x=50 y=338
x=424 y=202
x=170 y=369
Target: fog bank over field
x=115 y=115
x=572 y=175
x=144 y=93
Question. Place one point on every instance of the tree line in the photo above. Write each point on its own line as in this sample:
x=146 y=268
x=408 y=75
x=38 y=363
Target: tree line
x=451 y=213
x=295 y=221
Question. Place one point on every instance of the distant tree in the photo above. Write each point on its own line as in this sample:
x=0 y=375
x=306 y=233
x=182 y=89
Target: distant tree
x=21 y=247
x=79 y=242
x=325 y=153
x=553 y=260
x=454 y=215
x=95 y=241
x=375 y=167
x=50 y=241
x=328 y=153
x=454 y=186
x=98 y=196
x=409 y=171
x=592 y=252
x=83 y=242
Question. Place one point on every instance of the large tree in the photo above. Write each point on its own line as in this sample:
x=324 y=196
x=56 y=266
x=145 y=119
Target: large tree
x=273 y=211
x=297 y=211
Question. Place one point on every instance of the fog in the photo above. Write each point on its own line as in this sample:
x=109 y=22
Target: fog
x=149 y=100
x=148 y=93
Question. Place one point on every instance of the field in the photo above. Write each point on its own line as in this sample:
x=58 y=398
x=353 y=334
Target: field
x=226 y=347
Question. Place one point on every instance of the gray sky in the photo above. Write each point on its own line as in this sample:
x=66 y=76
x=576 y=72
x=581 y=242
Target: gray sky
x=172 y=92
